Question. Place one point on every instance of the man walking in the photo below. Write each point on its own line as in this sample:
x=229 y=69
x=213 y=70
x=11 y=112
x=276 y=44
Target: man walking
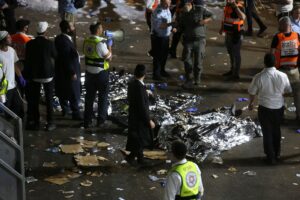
x=139 y=122
x=251 y=13
x=192 y=25
x=39 y=68
x=184 y=179
x=270 y=85
x=97 y=51
x=160 y=32
x=232 y=25
x=67 y=71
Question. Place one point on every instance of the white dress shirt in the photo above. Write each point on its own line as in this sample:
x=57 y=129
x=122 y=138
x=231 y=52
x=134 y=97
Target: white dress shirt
x=270 y=85
x=173 y=184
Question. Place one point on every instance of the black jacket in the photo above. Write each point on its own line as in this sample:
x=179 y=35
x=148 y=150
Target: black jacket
x=139 y=132
x=39 y=58
x=66 y=65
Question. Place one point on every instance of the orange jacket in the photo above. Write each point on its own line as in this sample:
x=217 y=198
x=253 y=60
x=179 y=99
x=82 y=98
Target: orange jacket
x=19 y=41
x=230 y=24
x=287 y=50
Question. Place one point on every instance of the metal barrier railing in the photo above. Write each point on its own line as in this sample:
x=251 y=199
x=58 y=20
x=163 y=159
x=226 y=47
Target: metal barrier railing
x=11 y=137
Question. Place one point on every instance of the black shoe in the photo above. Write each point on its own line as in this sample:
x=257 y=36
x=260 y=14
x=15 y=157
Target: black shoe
x=261 y=31
x=157 y=78
x=229 y=73
x=77 y=117
x=165 y=74
x=130 y=160
x=50 y=127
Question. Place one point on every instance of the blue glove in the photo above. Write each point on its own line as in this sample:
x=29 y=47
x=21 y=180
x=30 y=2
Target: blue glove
x=109 y=42
x=22 y=81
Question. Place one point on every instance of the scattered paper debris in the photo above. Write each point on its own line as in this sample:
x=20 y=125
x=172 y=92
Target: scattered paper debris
x=89 y=160
x=168 y=161
x=137 y=28
x=119 y=189
x=132 y=22
x=252 y=42
x=215 y=176
x=213 y=38
x=50 y=164
x=88 y=195
x=217 y=160
x=96 y=174
x=86 y=183
x=298 y=175
x=67 y=192
x=71 y=148
x=69 y=196
x=152 y=188
x=295 y=184
x=153 y=155
x=62 y=178
x=232 y=169
x=103 y=145
x=31 y=179
x=120 y=198
x=131 y=47
x=162 y=172
x=250 y=173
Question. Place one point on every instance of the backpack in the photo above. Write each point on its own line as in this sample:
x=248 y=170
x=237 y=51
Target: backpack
x=79 y=3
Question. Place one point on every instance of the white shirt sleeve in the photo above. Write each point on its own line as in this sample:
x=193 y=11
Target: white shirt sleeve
x=16 y=58
x=287 y=88
x=201 y=188
x=253 y=87
x=102 y=49
x=172 y=186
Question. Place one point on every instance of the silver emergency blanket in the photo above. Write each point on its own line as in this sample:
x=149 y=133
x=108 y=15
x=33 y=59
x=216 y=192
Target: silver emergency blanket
x=178 y=117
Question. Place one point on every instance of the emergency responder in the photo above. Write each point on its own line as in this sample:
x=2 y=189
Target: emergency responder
x=3 y=84
x=232 y=25
x=97 y=51
x=192 y=24
x=184 y=179
x=285 y=47
x=161 y=30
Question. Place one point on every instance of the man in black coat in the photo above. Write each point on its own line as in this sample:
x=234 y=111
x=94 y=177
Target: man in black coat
x=140 y=124
x=67 y=71
x=39 y=69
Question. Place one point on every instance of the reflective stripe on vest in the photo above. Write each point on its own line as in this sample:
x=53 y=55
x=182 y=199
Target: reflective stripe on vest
x=91 y=56
x=230 y=24
x=3 y=82
x=287 y=50
x=190 y=178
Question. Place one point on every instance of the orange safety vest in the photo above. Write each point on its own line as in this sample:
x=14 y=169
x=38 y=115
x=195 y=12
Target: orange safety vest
x=287 y=50
x=230 y=24
x=19 y=41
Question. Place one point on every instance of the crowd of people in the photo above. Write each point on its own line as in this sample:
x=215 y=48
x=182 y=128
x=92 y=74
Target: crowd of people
x=28 y=63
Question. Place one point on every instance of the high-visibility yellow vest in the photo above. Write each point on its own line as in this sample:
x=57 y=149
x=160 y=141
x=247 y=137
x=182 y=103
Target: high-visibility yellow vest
x=190 y=178
x=90 y=51
x=3 y=82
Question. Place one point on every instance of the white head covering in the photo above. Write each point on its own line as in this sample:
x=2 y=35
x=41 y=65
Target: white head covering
x=3 y=34
x=41 y=27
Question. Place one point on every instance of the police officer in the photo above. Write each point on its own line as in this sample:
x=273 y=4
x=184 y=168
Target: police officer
x=232 y=25
x=98 y=53
x=161 y=27
x=192 y=25
x=184 y=179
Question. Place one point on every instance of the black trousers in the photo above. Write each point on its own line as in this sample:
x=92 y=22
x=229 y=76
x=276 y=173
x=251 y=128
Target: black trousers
x=160 y=50
x=251 y=13
x=33 y=96
x=14 y=102
x=270 y=120
x=96 y=83
x=72 y=101
x=175 y=40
